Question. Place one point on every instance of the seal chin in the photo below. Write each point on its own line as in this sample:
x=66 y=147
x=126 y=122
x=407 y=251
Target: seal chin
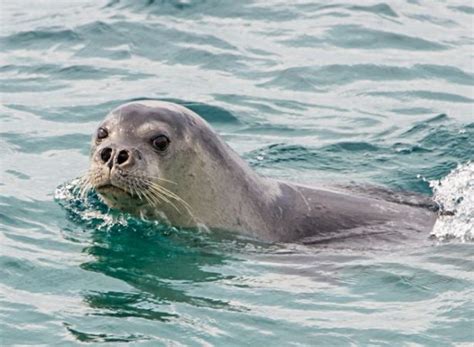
x=112 y=192
x=119 y=198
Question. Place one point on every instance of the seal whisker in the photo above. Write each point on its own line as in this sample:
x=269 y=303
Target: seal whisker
x=175 y=197
x=164 y=198
x=139 y=193
x=134 y=189
x=84 y=185
x=171 y=195
x=156 y=196
x=153 y=188
x=85 y=191
x=148 y=179
x=80 y=182
x=163 y=191
x=162 y=179
x=155 y=193
x=152 y=197
x=148 y=198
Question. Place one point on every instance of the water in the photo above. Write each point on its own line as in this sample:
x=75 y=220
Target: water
x=374 y=93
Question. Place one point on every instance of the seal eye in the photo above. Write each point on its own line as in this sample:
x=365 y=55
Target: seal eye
x=102 y=133
x=161 y=142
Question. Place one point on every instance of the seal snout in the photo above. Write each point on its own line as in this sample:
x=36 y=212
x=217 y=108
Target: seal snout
x=121 y=158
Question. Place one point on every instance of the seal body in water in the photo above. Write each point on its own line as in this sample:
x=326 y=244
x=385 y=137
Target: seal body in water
x=161 y=160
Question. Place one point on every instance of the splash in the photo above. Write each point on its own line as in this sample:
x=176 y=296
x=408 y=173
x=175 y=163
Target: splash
x=455 y=196
x=87 y=210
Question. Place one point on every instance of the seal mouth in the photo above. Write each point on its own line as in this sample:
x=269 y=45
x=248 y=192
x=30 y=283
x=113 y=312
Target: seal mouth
x=109 y=187
x=118 y=197
x=105 y=186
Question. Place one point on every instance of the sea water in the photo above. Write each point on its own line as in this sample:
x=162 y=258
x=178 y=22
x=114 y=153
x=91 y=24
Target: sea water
x=325 y=92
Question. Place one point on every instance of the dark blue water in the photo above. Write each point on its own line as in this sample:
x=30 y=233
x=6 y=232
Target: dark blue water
x=310 y=91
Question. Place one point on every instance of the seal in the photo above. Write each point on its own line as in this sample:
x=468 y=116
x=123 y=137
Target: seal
x=160 y=160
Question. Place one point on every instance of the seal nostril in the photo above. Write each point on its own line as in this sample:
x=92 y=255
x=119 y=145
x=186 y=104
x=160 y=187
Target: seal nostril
x=105 y=154
x=122 y=157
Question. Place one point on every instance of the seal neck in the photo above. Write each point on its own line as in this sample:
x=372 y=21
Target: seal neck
x=225 y=193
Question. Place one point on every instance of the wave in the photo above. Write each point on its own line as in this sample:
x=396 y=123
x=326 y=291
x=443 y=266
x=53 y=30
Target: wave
x=455 y=196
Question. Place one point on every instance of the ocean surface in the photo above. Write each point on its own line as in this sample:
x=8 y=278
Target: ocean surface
x=367 y=92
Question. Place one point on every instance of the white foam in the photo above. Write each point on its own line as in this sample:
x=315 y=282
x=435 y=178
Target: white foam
x=455 y=193
x=69 y=196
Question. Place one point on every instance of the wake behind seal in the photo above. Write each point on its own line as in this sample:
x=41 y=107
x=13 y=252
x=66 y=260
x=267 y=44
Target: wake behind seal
x=161 y=160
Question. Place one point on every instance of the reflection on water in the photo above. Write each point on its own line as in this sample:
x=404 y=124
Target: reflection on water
x=155 y=266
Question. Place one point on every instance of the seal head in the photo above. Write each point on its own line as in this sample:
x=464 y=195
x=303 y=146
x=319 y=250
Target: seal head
x=161 y=160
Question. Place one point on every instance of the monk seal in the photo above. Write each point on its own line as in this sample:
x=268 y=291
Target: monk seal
x=160 y=160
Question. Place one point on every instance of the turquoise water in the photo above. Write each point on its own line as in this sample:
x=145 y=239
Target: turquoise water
x=310 y=91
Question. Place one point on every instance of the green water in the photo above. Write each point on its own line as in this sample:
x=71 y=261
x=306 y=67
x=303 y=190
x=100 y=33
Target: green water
x=309 y=91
